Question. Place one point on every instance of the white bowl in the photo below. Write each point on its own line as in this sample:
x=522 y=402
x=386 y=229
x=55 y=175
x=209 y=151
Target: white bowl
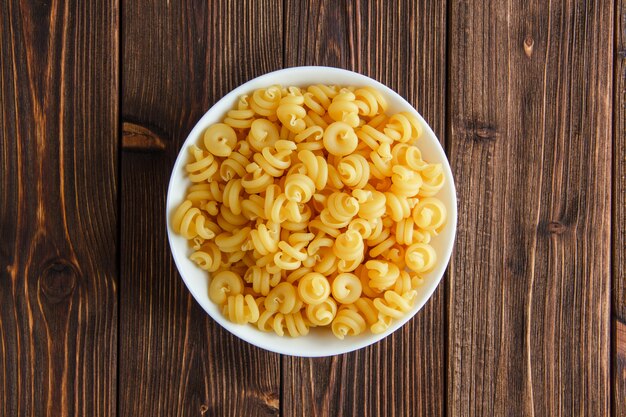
x=319 y=342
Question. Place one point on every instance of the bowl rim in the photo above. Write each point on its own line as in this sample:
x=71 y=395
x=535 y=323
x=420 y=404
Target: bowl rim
x=451 y=222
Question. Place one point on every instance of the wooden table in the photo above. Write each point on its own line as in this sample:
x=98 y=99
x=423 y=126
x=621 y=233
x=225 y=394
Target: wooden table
x=529 y=99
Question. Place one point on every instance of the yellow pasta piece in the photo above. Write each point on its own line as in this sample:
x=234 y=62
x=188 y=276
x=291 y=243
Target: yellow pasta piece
x=322 y=314
x=256 y=180
x=262 y=133
x=369 y=101
x=346 y=288
x=299 y=188
x=220 y=139
x=240 y=309
x=382 y=274
x=405 y=181
x=313 y=288
x=291 y=112
x=207 y=257
x=274 y=160
x=296 y=325
x=420 y=257
x=339 y=139
x=223 y=284
x=262 y=281
x=348 y=322
x=203 y=166
x=265 y=101
x=403 y=127
x=372 y=204
x=281 y=298
x=344 y=109
x=432 y=180
x=239 y=118
x=349 y=245
x=429 y=214
x=316 y=168
x=354 y=171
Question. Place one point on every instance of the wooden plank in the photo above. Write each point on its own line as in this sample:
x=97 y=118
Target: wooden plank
x=402 y=44
x=619 y=215
x=530 y=119
x=619 y=382
x=178 y=60
x=58 y=200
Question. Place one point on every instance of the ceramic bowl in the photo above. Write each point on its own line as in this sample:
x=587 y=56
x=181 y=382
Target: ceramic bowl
x=320 y=341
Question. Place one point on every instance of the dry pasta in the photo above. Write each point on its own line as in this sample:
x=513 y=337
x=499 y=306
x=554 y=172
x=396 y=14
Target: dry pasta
x=312 y=207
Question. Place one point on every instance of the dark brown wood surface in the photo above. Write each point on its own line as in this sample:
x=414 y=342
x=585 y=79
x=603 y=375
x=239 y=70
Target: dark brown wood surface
x=529 y=99
x=178 y=60
x=530 y=136
x=619 y=215
x=58 y=208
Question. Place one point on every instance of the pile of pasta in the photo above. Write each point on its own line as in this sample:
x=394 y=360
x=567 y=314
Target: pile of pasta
x=312 y=207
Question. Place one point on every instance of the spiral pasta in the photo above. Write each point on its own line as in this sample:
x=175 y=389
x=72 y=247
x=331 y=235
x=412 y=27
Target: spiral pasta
x=220 y=139
x=223 y=284
x=344 y=109
x=403 y=127
x=316 y=168
x=318 y=97
x=240 y=118
x=354 y=171
x=339 y=139
x=296 y=325
x=349 y=246
x=382 y=274
x=262 y=133
x=322 y=314
x=429 y=214
x=340 y=210
x=420 y=257
x=372 y=204
x=207 y=257
x=313 y=288
x=203 y=167
x=291 y=112
x=346 y=288
x=265 y=101
x=348 y=322
x=190 y=222
x=432 y=180
x=369 y=101
x=240 y=309
x=262 y=280
x=312 y=207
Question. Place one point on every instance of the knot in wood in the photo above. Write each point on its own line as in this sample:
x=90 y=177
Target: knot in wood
x=529 y=42
x=485 y=134
x=58 y=280
x=140 y=138
x=556 y=228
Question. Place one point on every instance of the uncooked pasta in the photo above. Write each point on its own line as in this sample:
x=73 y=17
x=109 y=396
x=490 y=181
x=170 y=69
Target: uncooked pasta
x=312 y=207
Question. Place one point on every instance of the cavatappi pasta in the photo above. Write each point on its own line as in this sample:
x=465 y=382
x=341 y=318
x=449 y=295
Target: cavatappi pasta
x=311 y=207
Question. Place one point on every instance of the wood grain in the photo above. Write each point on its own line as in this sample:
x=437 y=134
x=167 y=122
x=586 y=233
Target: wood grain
x=531 y=146
x=619 y=394
x=401 y=44
x=531 y=320
x=619 y=215
x=179 y=58
x=58 y=199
